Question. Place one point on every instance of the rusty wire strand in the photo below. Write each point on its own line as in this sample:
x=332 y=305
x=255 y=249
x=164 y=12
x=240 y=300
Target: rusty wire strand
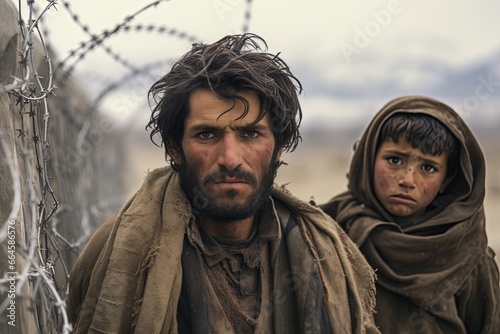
x=41 y=255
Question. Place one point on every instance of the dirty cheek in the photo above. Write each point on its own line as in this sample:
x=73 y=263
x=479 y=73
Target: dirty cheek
x=430 y=190
x=383 y=179
x=267 y=150
x=200 y=157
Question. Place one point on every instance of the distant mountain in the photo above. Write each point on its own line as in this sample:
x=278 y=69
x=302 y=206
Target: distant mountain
x=473 y=91
x=443 y=80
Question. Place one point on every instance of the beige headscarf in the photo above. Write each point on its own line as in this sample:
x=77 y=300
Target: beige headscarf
x=419 y=258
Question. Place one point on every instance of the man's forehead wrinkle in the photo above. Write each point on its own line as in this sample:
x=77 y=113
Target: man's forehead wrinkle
x=208 y=116
x=232 y=124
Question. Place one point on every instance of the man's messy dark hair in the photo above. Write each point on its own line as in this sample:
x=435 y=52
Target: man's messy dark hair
x=424 y=132
x=233 y=64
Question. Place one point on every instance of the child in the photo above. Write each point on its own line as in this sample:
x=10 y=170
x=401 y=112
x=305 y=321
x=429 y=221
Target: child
x=414 y=206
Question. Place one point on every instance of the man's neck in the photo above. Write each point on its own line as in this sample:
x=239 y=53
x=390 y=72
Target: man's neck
x=237 y=230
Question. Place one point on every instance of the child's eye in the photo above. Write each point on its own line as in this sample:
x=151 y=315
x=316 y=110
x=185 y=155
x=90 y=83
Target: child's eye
x=395 y=161
x=429 y=169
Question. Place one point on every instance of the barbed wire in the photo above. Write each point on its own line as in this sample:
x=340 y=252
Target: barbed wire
x=45 y=252
x=32 y=254
x=248 y=17
x=115 y=85
x=96 y=40
x=87 y=46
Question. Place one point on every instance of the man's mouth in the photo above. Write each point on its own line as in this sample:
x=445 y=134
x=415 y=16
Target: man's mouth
x=232 y=177
x=230 y=180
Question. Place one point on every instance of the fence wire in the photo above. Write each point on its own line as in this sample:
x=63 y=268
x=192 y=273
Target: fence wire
x=51 y=160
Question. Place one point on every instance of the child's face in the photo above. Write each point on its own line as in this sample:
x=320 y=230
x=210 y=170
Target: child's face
x=405 y=179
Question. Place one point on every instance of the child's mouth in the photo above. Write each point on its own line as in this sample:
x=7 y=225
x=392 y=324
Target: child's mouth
x=403 y=198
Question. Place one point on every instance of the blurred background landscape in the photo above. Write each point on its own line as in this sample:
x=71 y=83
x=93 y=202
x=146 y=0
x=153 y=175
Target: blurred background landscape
x=74 y=77
x=351 y=57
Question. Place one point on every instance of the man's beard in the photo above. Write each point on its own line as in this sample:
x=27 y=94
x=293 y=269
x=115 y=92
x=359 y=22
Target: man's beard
x=207 y=204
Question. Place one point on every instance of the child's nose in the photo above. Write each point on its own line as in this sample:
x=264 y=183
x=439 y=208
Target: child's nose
x=407 y=178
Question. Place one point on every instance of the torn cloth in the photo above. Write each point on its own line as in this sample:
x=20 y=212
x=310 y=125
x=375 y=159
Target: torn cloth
x=129 y=277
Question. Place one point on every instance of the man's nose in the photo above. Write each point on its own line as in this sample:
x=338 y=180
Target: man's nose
x=407 y=177
x=230 y=155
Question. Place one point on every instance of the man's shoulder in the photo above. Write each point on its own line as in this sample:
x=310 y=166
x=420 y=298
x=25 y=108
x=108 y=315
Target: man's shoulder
x=290 y=207
x=82 y=270
x=100 y=236
x=96 y=243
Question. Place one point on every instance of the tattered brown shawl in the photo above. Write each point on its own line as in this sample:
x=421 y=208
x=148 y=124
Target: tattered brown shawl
x=134 y=285
x=429 y=259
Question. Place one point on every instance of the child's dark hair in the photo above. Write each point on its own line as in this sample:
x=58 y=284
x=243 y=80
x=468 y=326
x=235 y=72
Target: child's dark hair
x=424 y=132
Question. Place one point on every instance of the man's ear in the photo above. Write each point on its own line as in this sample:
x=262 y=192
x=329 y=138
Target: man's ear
x=175 y=153
x=278 y=153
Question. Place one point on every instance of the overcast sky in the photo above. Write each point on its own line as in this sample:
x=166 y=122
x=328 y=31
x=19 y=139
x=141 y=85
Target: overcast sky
x=352 y=56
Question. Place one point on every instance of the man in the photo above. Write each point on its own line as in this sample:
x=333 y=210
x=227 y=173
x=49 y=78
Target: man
x=208 y=245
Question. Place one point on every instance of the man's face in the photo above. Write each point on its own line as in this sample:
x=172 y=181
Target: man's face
x=405 y=179
x=226 y=165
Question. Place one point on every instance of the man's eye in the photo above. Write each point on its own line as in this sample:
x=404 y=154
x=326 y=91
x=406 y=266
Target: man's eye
x=205 y=135
x=251 y=134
